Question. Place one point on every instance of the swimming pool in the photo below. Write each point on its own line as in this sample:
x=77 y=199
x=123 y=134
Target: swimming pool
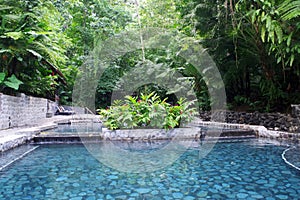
x=251 y=169
x=88 y=127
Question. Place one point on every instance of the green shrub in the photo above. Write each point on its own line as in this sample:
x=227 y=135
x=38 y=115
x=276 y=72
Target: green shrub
x=148 y=111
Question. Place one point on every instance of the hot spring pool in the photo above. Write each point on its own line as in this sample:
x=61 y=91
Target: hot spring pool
x=251 y=169
x=78 y=128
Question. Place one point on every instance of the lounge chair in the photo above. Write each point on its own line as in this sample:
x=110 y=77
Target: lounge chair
x=63 y=111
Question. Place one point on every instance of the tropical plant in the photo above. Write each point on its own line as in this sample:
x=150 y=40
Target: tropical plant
x=148 y=111
x=255 y=45
x=289 y=9
x=31 y=46
x=11 y=82
x=276 y=41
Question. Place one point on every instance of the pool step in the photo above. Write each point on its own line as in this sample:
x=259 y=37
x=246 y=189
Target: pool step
x=69 y=137
x=231 y=133
x=65 y=138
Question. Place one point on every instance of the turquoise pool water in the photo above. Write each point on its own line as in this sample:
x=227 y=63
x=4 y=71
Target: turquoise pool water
x=78 y=128
x=251 y=169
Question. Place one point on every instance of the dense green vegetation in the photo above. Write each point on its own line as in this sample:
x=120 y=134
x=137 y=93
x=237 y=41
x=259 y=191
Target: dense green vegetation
x=148 y=111
x=255 y=44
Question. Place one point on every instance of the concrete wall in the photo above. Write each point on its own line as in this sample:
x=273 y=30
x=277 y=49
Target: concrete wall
x=22 y=110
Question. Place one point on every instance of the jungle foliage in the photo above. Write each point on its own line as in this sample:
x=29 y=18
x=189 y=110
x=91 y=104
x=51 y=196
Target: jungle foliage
x=255 y=45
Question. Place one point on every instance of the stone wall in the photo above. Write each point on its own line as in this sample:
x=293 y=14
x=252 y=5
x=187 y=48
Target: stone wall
x=151 y=134
x=272 y=121
x=295 y=110
x=16 y=111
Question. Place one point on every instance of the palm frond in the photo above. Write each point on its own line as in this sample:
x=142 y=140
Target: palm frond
x=289 y=9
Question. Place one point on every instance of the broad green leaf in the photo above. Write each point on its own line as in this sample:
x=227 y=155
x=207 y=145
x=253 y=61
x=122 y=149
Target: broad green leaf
x=257 y=12
x=279 y=59
x=13 y=82
x=2 y=77
x=269 y=22
x=263 y=16
x=272 y=36
x=253 y=18
x=279 y=33
x=288 y=42
x=14 y=35
x=263 y=33
x=292 y=59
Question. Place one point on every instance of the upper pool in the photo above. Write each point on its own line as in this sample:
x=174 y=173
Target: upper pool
x=77 y=128
x=250 y=169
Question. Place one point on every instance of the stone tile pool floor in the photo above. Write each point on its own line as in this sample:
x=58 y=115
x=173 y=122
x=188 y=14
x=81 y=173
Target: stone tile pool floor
x=251 y=169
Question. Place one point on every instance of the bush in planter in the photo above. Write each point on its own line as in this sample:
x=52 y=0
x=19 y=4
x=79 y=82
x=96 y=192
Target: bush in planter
x=149 y=112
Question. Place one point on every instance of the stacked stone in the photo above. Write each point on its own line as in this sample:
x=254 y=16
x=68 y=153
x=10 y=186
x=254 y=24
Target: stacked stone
x=21 y=111
x=272 y=121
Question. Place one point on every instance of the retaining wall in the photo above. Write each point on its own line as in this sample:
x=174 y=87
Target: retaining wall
x=151 y=134
x=16 y=111
x=22 y=110
x=260 y=131
x=272 y=121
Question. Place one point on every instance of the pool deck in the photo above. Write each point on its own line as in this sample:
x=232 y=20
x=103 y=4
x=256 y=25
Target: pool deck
x=10 y=138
